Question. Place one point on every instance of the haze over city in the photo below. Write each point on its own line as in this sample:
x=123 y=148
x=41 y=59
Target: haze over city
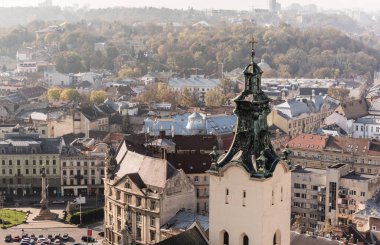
x=369 y=5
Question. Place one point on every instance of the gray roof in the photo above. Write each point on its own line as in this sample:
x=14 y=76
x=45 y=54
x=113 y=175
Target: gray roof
x=177 y=124
x=154 y=172
x=302 y=239
x=370 y=119
x=189 y=237
x=292 y=108
x=194 y=81
x=184 y=219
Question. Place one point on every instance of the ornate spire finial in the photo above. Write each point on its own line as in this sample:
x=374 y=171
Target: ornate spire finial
x=252 y=42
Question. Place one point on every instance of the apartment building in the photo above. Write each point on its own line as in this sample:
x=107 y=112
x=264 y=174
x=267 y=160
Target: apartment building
x=22 y=157
x=321 y=151
x=82 y=169
x=331 y=195
x=296 y=116
x=141 y=194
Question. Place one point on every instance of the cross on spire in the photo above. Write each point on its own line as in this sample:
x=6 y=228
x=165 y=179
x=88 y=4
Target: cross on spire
x=252 y=42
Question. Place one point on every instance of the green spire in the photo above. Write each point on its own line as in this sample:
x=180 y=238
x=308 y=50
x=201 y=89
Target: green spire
x=251 y=147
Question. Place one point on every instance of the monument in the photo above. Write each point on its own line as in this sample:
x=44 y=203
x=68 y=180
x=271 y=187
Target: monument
x=45 y=213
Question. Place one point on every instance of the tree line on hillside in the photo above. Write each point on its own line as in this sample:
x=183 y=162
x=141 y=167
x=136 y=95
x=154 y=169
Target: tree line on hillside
x=291 y=52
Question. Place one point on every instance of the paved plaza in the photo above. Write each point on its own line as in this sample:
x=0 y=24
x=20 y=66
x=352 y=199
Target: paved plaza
x=51 y=227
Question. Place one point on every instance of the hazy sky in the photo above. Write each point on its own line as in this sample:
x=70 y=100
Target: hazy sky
x=370 y=5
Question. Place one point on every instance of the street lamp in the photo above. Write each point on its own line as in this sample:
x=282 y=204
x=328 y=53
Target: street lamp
x=80 y=209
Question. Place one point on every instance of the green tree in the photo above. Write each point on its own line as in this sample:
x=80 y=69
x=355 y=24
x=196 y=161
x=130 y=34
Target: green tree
x=98 y=96
x=127 y=126
x=69 y=62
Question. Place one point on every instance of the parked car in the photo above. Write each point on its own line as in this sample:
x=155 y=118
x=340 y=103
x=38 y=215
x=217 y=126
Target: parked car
x=50 y=236
x=8 y=238
x=88 y=239
x=57 y=241
x=16 y=239
x=65 y=237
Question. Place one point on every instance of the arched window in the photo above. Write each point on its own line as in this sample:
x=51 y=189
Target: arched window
x=277 y=238
x=245 y=240
x=227 y=194
x=226 y=238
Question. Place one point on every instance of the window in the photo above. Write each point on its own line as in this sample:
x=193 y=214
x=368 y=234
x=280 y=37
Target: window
x=64 y=164
x=138 y=218
x=362 y=194
x=10 y=162
x=3 y=171
x=226 y=238
x=85 y=164
x=40 y=162
x=18 y=162
x=34 y=162
x=92 y=164
x=117 y=195
x=54 y=162
x=244 y=196
x=227 y=194
x=152 y=205
x=245 y=240
x=85 y=172
x=138 y=233
x=152 y=221
x=92 y=172
x=54 y=171
x=2 y=162
x=138 y=201
x=196 y=179
x=152 y=236
x=26 y=162
x=78 y=164
x=26 y=171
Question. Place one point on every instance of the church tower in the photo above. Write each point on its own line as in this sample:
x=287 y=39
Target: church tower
x=250 y=185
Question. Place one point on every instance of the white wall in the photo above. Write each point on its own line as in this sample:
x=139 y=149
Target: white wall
x=259 y=219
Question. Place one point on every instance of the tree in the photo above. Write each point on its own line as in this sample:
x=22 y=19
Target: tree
x=69 y=62
x=54 y=93
x=127 y=71
x=98 y=96
x=127 y=126
x=186 y=98
x=340 y=94
x=70 y=95
x=214 y=98
x=227 y=86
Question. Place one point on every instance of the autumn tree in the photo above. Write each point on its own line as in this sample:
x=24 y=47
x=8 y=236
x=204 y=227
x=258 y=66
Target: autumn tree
x=54 y=93
x=340 y=94
x=214 y=97
x=187 y=98
x=98 y=96
x=70 y=95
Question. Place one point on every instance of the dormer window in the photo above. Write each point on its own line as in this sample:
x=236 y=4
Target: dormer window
x=127 y=185
x=2 y=150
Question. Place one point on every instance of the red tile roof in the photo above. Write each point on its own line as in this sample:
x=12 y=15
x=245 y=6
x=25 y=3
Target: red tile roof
x=309 y=141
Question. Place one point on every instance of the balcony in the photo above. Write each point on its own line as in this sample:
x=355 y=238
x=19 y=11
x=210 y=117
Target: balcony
x=78 y=176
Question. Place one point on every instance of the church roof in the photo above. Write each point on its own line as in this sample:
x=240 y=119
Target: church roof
x=303 y=239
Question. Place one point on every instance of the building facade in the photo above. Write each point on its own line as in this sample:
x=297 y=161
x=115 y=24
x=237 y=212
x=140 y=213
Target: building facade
x=324 y=197
x=83 y=171
x=22 y=156
x=141 y=194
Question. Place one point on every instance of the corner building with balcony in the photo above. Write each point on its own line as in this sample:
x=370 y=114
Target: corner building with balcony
x=141 y=194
